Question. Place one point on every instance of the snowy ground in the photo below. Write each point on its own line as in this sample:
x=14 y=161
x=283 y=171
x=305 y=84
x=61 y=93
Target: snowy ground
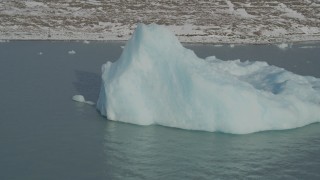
x=215 y=21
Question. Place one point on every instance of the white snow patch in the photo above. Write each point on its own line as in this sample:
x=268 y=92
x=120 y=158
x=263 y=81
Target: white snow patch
x=274 y=32
x=289 y=12
x=230 y=5
x=186 y=29
x=243 y=13
x=310 y=30
x=238 y=12
x=33 y=4
x=94 y=2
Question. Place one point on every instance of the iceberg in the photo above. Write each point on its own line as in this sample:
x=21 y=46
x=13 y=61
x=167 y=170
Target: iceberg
x=158 y=81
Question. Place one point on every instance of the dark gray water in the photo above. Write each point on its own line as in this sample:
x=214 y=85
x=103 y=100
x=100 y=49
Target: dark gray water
x=46 y=135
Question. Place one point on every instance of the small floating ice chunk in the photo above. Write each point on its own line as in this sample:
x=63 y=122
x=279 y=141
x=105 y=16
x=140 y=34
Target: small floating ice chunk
x=80 y=98
x=90 y=103
x=308 y=47
x=86 y=42
x=122 y=47
x=283 y=46
x=72 y=52
x=40 y=53
x=3 y=41
x=231 y=45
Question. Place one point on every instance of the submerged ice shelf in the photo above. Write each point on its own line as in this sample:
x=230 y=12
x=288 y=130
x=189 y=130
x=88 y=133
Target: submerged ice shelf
x=158 y=81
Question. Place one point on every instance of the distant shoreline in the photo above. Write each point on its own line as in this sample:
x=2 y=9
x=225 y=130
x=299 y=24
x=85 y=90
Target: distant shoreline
x=204 y=22
x=184 y=42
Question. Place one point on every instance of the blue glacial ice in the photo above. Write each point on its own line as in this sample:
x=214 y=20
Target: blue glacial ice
x=158 y=81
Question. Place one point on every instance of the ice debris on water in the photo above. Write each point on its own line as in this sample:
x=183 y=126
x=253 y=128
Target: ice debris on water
x=86 y=42
x=81 y=99
x=72 y=52
x=4 y=41
x=283 y=46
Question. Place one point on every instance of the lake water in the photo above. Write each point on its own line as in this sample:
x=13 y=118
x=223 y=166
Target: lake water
x=46 y=135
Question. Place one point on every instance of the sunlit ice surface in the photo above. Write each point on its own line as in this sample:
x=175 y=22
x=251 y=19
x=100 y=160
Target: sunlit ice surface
x=158 y=81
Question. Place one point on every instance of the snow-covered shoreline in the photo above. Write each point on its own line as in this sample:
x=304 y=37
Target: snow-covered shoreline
x=184 y=40
x=75 y=36
x=219 y=21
